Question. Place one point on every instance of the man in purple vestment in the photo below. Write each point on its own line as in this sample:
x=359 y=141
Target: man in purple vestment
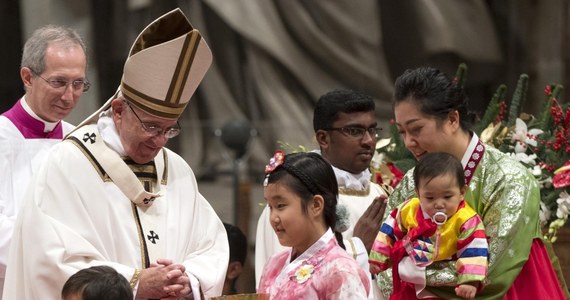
x=53 y=71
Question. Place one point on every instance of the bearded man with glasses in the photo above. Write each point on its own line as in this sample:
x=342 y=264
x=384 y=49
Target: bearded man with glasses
x=52 y=70
x=112 y=194
x=346 y=131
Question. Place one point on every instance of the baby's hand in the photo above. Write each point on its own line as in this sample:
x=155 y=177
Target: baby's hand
x=466 y=291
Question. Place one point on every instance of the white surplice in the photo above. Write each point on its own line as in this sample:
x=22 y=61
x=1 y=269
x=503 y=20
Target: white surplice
x=19 y=159
x=74 y=217
x=356 y=192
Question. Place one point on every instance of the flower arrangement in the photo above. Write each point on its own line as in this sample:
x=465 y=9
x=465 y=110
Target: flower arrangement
x=541 y=143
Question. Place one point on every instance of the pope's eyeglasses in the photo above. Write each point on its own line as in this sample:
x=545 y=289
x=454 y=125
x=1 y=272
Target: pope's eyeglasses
x=152 y=130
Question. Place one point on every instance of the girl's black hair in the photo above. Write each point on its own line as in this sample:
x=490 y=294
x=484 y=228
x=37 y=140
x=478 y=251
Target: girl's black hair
x=308 y=174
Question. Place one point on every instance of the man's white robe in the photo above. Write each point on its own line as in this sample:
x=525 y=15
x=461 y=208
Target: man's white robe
x=19 y=159
x=356 y=202
x=74 y=217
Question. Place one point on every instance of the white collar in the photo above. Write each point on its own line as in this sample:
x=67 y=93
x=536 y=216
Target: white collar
x=352 y=181
x=469 y=150
x=316 y=247
x=349 y=180
x=109 y=132
x=48 y=126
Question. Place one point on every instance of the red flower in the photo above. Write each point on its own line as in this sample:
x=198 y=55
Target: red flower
x=275 y=161
x=561 y=177
x=397 y=174
x=547 y=91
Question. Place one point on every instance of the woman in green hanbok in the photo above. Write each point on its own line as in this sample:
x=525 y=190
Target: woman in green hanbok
x=431 y=113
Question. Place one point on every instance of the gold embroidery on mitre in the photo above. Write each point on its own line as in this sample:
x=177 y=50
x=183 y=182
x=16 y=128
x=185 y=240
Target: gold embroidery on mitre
x=154 y=106
x=171 y=107
x=161 y=73
x=180 y=76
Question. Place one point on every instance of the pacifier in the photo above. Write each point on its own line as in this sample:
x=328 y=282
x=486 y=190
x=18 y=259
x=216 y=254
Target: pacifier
x=439 y=218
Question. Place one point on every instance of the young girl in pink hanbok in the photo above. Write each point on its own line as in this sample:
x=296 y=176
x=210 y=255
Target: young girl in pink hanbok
x=301 y=192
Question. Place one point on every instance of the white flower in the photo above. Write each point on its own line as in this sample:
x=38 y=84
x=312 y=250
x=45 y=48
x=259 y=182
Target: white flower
x=520 y=147
x=304 y=273
x=536 y=171
x=378 y=159
x=523 y=135
x=545 y=183
x=544 y=213
x=524 y=158
x=563 y=205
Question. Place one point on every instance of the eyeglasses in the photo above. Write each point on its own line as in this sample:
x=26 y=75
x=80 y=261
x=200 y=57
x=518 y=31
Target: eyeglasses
x=357 y=132
x=153 y=130
x=59 y=83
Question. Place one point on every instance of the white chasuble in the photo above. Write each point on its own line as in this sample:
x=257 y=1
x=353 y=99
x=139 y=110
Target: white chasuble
x=74 y=216
x=20 y=158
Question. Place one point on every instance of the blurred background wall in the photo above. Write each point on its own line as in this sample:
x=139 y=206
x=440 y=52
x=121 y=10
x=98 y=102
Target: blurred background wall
x=274 y=58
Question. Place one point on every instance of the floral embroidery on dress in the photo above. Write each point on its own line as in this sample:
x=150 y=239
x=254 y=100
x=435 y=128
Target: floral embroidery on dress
x=307 y=268
x=304 y=272
x=474 y=161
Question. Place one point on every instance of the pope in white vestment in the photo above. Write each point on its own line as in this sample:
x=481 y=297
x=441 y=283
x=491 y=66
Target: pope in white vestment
x=99 y=198
x=73 y=219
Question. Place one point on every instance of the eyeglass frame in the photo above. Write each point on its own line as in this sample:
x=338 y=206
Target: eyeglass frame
x=360 y=131
x=86 y=83
x=148 y=129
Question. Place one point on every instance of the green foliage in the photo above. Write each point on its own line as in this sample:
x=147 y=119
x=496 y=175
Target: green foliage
x=552 y=91
x=518 y=100
x=461 y=74
x=492 y=110
x=288 y=148
x=541 y=144
x=396 y=151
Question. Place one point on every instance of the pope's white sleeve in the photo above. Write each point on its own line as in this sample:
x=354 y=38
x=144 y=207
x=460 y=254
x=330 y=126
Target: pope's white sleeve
x=195 y=285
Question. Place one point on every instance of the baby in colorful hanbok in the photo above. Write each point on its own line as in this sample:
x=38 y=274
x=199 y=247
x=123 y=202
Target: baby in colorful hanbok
x=438 y=225
x=301 y=192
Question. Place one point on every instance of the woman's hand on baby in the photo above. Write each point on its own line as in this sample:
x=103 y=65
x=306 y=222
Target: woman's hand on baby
x=466 y=291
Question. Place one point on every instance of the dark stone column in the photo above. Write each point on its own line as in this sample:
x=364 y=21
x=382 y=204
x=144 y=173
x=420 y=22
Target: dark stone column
x=11 y=87
x=110 y=44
